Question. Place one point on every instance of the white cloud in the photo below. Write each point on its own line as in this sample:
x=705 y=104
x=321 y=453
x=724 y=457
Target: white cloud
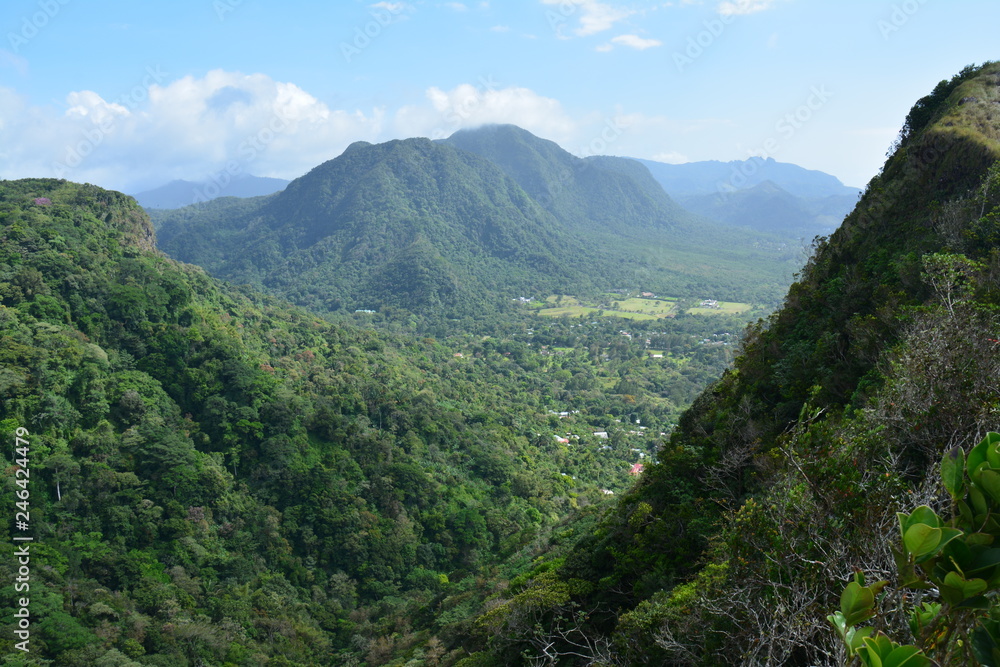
x=636 y=42
x=593 y=16
x=197 y=127
x=470 y=105
x=457 y=6
x=743 y=7
x=189 y=128
x=500 y=28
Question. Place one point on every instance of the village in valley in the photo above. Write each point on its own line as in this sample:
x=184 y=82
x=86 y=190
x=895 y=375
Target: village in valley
x=639 y=440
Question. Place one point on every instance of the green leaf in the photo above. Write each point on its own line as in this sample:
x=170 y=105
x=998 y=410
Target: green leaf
x=989 y=480
x=949 y=534
x=839 y=624
x=985 y=644
x=857 y=603
x=992 y=452
x=923 y=616
x=925 y=514
x=979 y=539
x=876 y=650
x=953 y=472
x=922 y=540
x=976 y=458
x=983 y=559
x=978 y=499
x=905 y=655
x=976 y=602
x=856 y=638
x=965 y=512
x=966 y=588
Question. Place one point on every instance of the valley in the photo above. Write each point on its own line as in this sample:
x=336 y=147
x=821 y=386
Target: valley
x=477 y=402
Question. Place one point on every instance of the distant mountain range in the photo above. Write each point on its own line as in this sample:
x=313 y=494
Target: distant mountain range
x=456 y=227
x=179 y=193
x=713 y=176
x=759 y=193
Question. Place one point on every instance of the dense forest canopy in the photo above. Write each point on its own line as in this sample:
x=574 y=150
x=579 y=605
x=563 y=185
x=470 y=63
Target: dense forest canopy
x=785 y=476
x=217 y=477
x=211 y=476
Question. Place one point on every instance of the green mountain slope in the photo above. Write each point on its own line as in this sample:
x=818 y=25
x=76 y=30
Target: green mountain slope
x=617 y=205
x=591 y=195
x=216 y=477
x=408 y=224
x=441 y=232
x=785 y=476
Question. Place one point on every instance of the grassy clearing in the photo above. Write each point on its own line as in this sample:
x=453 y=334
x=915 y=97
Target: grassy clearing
x=632 y=308
x=725 y=308
x=569 y=311
x=654 y=307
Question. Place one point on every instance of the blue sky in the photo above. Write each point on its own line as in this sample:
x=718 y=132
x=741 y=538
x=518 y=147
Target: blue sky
x=129 y=94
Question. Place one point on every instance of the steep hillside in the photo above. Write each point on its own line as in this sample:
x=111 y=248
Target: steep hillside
x=594 y=194
x=215 y=477
x=785 y=476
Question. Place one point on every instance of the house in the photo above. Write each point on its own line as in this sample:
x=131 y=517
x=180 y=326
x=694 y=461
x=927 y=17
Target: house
x=636 y=469
x=648 y=295
x=561 y=441
x=603 y=435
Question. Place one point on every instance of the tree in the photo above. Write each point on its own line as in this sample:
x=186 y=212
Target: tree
x=63 y=467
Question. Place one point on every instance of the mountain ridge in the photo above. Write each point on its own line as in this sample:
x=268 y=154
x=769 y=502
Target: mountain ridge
x=455 y=231
x=786 y=474
x=714 y=176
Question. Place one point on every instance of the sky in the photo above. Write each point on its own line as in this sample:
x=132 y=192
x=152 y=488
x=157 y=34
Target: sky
x=130 y=95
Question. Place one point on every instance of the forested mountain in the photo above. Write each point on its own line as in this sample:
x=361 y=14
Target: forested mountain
x=218 y=478
x=782 y=482
x=589 y=195
x=180 y=193
x=444 y=233
x=408 y=224
x=211 y=476
x=214 y=477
